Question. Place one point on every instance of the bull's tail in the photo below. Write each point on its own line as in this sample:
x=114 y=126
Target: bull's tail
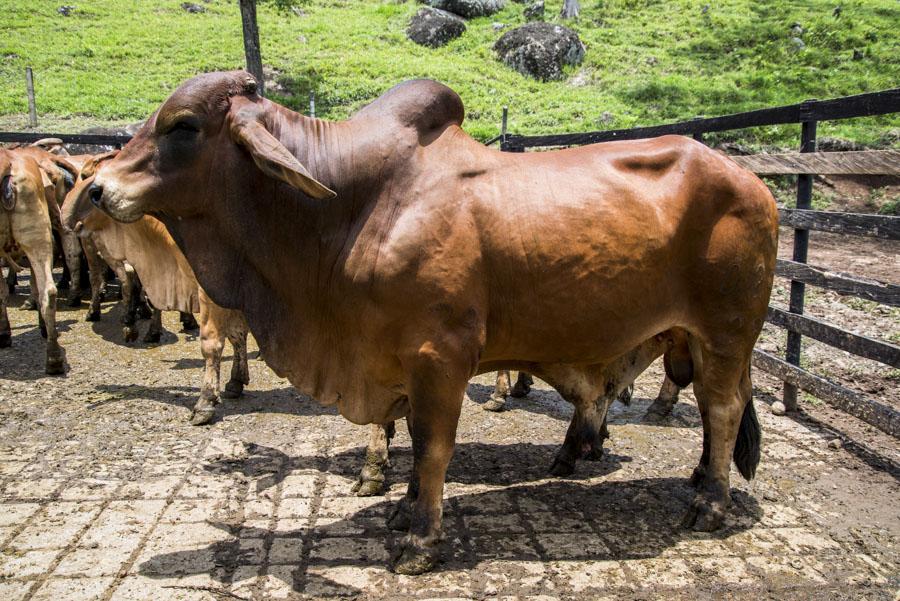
x=746 y=447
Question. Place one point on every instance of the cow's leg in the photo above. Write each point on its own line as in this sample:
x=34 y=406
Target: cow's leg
x=41 y=260
x=371 y=478
x=31 y=303
x=72 y=252
x=240 y=371
x=188 y=323
x=725 y=393
x=522 y=386
x=5 y=330
x=154 y=331
x=12 y=278
x=584 y=437
x=130 y=295
x=436 y=392
x=501 y=391
x=96 y=269
x=212 y=343
x=665 y=401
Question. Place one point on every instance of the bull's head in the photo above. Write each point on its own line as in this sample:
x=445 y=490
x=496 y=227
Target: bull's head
x=78 y=213
x=193 y=136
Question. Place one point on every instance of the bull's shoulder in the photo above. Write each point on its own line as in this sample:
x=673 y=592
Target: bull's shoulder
x=422 y=104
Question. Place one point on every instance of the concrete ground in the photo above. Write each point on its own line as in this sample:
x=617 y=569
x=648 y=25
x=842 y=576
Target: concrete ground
x=108 y=493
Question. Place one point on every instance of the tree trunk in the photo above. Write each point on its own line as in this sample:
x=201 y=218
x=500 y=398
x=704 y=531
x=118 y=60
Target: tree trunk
x=251 y=42
x=570 y=9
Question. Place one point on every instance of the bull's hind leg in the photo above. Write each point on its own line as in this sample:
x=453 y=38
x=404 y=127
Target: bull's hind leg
x=665 y=401
x=371 y=479
x=501 y=391
x=130 y=295
x=71 y=248
x=5 y=330
x=584 y=438
x=723 y=392
x=523 y=385
x=42 y=262
x=212 y=342
x=154 y=330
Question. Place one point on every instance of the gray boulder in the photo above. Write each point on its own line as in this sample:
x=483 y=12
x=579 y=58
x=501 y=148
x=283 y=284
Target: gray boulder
x=434 y=28
x=469 y=8
x=540 y=50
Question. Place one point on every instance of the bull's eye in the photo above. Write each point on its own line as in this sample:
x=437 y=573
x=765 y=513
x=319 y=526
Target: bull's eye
x=184 y=127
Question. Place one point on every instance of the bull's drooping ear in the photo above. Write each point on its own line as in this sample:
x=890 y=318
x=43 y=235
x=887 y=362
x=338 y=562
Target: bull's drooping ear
x=273 y=158
x=90 y=166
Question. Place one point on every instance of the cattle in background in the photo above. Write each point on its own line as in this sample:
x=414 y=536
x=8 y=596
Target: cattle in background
x=25 y=224
x=146 y=248
x=384 y=260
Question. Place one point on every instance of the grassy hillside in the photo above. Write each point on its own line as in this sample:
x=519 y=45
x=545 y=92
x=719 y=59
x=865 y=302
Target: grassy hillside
x=648 y=61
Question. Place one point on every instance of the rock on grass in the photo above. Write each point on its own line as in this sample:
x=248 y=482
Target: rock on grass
x=433 y=27
x=540 y=50
x=469 y=8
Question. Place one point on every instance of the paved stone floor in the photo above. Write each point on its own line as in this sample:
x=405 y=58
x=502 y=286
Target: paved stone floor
x=107 y=493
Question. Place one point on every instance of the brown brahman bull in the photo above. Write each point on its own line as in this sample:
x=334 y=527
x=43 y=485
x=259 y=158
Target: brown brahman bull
x=384 y=260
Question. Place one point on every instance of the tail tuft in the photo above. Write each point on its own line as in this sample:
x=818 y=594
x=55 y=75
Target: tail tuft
x=746 y=448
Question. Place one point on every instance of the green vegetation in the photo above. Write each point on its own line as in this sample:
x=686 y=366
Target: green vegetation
x=647 y=62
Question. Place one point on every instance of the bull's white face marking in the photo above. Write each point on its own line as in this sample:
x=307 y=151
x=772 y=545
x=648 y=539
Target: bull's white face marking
x=119 y=202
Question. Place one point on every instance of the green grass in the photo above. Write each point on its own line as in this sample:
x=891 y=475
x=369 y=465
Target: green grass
x=647 y=62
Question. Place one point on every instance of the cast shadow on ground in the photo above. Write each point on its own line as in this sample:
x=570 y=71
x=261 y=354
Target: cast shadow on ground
x=25 y=359
x=566 y=520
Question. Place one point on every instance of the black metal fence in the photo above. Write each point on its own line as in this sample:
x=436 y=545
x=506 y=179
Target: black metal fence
x=806 y=165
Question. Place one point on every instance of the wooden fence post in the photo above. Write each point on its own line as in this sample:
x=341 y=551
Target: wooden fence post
x=251 y=43
x=312 y=104
x=32 y=106
x=801 y=246
x=503 y=125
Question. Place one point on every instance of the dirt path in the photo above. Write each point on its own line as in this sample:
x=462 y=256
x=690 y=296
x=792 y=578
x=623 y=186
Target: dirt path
x=108 y=493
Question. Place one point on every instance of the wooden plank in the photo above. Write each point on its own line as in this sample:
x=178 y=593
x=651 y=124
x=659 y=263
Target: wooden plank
x=96 y=139
x=873 y=103
x=857 y=344
x=863 y=162
x=875 y=413
x=857 y=224
x=887 y=294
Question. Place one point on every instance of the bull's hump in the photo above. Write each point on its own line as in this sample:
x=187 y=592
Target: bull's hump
x=423 y=104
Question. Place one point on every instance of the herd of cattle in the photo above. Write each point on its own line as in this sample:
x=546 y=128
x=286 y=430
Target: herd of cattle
x=382 y=261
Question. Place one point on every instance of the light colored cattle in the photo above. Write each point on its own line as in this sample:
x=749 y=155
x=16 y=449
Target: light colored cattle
x=146 y=249
x=384 y=260
x=25 y=224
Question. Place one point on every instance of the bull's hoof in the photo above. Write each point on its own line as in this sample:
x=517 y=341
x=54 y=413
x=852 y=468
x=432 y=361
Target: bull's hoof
x=93 y=315
x=233 y=390
x=368 y=488
x=55 y=366
x=129 y=333
x=520 y=390
x=494 y=404
x=412 y=559
x=152 y=337
x=201 y=417
x=626 y=395
x=5 y=340
x=698 y=477
x=562 y=467
x=29 y=305
x=188 y=322
x=74 y=301
x=704 y=515
x=595 y=453
x=400 y=518
x=658 y=411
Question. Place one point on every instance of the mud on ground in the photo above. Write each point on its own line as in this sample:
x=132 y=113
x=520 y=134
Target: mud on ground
x=106 y=492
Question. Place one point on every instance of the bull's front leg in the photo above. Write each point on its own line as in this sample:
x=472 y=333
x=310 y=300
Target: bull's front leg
x=130 y=296
x=371 y=479
x=436 y=389
x=5 y=330
x=96 y=269
x=523 y=385
x=240 y=371
x=31 y=303
x=12 y=278
x=212 y=343
x=584 y=437
x=41 y=260
x=72 y=253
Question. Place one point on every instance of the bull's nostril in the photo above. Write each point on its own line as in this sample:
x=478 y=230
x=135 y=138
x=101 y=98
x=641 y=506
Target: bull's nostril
x=95 y=193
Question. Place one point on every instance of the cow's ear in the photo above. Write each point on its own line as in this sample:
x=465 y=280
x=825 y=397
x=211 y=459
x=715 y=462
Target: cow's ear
x=273 y=158
x=90 y=166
